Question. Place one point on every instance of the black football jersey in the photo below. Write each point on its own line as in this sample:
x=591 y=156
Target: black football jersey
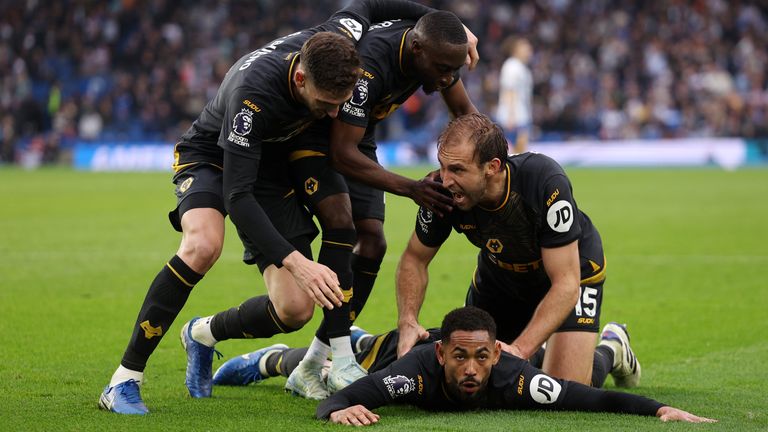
x=255 y=102
x=538 y=210
x=514 y=384
x=384 y=85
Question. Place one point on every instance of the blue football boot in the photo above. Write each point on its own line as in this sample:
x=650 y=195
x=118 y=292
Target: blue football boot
x=243 y=370
x=124 y=398
x=199 y=363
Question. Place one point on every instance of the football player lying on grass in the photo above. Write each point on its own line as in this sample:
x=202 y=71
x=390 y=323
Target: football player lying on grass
x=466 y=370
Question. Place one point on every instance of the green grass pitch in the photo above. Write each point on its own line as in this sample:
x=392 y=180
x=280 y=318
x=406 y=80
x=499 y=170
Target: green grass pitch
x=687 y=257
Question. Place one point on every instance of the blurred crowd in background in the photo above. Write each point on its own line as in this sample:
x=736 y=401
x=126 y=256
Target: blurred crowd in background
x=142 y=70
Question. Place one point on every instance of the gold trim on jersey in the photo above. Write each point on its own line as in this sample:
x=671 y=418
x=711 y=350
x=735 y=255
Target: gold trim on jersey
x=474 y=280
x=290 y=75
x=402 y=45
x=371 y=357
x=301 y=154
x=597 y=277
x=509 y=190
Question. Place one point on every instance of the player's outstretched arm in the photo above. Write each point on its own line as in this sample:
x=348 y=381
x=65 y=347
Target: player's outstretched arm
x=411 y=285
x=357 y=415
x=668 y=413
x=349 y=161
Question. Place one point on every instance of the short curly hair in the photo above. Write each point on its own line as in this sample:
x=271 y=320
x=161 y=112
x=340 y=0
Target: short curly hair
x=468 y=318
x=331 y=62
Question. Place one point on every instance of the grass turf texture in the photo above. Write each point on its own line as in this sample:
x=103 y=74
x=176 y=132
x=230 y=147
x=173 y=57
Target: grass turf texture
x=686 y=252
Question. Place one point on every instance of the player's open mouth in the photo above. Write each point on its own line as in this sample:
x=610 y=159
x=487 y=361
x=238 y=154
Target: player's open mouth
x=469 y=387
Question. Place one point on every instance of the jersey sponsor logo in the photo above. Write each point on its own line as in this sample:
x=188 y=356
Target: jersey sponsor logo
x=352 y=110
x=251 y=105
x=360 y=95
x=311 y=185
x=560 y=216
x=520 y=384
x=241 y=141
x=583 y=320
x=398 y=385
x=353 y=26
x=149 y=331
x=517 y=267
x=494 y=245
x=367 y=74
x=383 y=24
x=264 y=51
x=421 y=383
x=184 y=186
x=467 y=226
x=544 y=390
x=425 y=218
x=243 y=122
x=552 y=197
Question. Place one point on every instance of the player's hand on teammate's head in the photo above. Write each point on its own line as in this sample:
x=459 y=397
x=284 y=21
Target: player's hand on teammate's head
x=432 y=195
x=473 y=57
x=433 y=175
x=668 y=413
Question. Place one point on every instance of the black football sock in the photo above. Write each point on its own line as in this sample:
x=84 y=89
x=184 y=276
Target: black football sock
x=164 y=300
x=601 y=365
x=365 y=271
x=336 y=254
x=284 y=362
x=254 y=318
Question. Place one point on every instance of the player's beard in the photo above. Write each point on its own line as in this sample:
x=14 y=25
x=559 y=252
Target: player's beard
x=468 y=400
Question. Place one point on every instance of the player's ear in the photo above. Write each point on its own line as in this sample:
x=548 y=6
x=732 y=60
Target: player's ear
x=299 y=78
x=439 y=353
x=493 y=167
x=496 y=352
x=416 y=46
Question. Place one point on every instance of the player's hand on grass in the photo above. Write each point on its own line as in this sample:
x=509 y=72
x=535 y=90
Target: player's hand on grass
x=669 y=413
x=410 y=334
x=318 y=281
x=472 y=56
x=430 y=194
x=357 y=415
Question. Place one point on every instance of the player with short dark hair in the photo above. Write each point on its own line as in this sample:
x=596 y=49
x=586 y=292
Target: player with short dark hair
x=541 y=268
x=231 y=161
x=464 y=369
x=467 y=370
x=399 y=57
